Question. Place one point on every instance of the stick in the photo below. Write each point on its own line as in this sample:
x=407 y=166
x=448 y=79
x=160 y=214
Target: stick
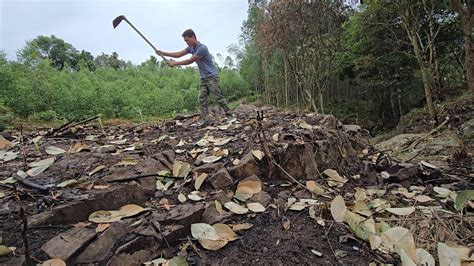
x=24 y=220
x=142 y=176
x=415 y=142
x=263 y=144
x=71 y=124
x=158 y=230
x=30 y=184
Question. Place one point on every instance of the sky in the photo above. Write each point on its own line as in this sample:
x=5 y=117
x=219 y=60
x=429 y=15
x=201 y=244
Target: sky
x=87 y=24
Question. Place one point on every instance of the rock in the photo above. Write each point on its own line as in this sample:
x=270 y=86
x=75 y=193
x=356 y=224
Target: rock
x=351 y=128
x=221 y=179
x=148 y=166
x=149 y=185
x=467 y=130
x=328 y=121
x=137 y=258
x=136 y=243
x=66 y=244
x=248 y=167
x=99 y=250
x=261 y=197
x=106 y=149
x=208 y=168
x=247 y=109
x=184 y=214
x=118 y=173
x=302 y=194
x=174 y=232
x=405 y=174
x=211 y=215
x=299 y=161
x=77 y=211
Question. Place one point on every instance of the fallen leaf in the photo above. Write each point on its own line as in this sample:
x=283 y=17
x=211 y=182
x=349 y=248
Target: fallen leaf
x=398 y=238
x=45 y=162
x=181 y=169
x=255 y=207
x=298 y=206
x=401 y=211
x=204 y=231
x=235 y=208
x=211 y=159
x=162 y=137
x=314 y=187
x=52 y=150
x=97 y=169
x=361 y=226
x=423 y=198
x=375 y=241
x=305 y=125
x=101 y=227
x=181 y=198
x=258 y=154
x=221 y=142
x=240 y=227
x=218 y=207
x=252 y=182
x=2 y=194
x=199 y=180
x=424 y=258
x=334 y=178
x=104 y=216
x=78 y=147
x=225 y=232
x=462 y=198
x=406 y=260
x=37 y=170
x=275 y=136
x=312 y=212
x=67 y=183
x=338 y=209
x=443 y=192
x=4 y=143
x=317 y=253
x=8 y=156
x=245 y=192
x=195 y=196
x=447 y=256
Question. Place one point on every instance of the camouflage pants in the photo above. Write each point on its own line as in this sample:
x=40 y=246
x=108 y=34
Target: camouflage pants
x=211 y=85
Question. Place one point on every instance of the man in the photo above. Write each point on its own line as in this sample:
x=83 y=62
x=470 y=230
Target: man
x=207 y=70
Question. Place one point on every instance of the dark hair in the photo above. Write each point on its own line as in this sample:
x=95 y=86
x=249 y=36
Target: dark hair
x=189 y=33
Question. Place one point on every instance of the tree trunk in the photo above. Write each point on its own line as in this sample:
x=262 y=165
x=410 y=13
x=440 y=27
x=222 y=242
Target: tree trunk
x=467 y=21
x=412 y=35
x=469 y=49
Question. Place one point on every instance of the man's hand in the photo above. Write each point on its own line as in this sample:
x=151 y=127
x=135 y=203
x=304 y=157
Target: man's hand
x=171 y=63
x=159 y=52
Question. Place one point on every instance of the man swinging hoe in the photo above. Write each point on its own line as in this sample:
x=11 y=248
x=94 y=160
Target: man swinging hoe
x=207 y=70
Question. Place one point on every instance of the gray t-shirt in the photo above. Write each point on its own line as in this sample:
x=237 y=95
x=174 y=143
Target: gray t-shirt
x=205 y=64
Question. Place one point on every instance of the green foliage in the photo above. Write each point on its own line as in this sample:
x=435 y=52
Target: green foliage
x=104 y=85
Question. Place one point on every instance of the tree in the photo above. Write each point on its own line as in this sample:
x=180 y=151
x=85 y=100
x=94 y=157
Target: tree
x=465 y=9
x=59 y=52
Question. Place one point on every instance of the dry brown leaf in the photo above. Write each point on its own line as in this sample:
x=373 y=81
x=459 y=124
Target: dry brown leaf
x=204 y=231
x=255 y=207
x=246 y=192
x=225 y=232
x=211 y=159
x=199 y=180
x=252 y=182
x=219 y=207
x=447 y=256
x=240 y=227
x=235 y=208
x=401 y=211
x=4 y=143
x=338 y=209
x=101 y=227
x=258 y=154
x=334 y=178
x=424 y=257
x=398 y=238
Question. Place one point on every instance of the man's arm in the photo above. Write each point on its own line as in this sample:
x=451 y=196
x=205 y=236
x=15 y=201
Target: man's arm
x=188 y=61
x=172 y=54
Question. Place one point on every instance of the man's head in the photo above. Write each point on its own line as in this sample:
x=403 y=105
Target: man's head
x=190 y=37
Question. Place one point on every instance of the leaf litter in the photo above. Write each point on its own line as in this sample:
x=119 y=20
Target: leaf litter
x=394 y=217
